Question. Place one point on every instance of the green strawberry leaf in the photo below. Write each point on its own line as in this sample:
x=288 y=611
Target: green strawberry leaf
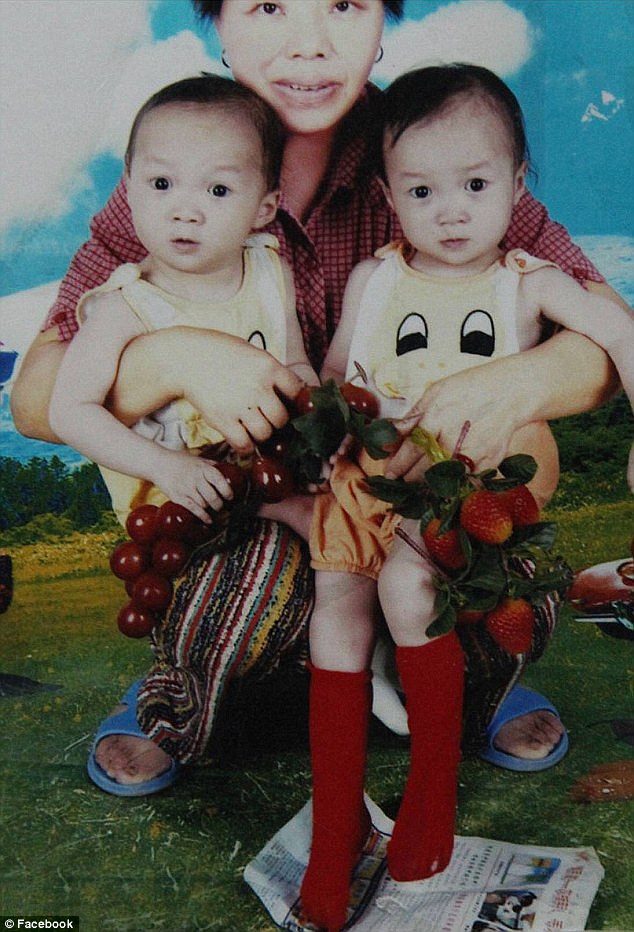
x=488 y=572
x=322 y=431
x=443 y=622
x=445 y=478
x=408 y=498
x=520 y=467
x=542 y=534
x=377 y=436
x=328 y=397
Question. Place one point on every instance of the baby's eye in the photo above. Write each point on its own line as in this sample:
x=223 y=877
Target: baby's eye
x=161 y=184
x=219 y=190
x=420 y=191
x=342 y=7
x=476 y=184
x=268 y=7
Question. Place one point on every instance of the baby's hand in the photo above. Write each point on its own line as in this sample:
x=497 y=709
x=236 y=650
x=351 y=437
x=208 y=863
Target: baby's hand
x=193 y=482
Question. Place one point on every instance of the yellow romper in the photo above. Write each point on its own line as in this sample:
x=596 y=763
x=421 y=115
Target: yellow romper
x=412 y=329
x=257 y=313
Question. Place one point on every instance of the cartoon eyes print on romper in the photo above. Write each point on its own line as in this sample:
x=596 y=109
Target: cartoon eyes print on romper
x=257 y=339
x=477 y=334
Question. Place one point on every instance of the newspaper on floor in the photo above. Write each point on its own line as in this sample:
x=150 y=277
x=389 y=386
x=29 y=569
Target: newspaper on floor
x=489 y=886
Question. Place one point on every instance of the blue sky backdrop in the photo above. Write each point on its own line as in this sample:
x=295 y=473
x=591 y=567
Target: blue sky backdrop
x=74 y=72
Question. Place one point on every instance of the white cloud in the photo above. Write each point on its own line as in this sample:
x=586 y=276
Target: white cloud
x=22 y=314
x=72 y=75
x=484 y=32
x=146 y=70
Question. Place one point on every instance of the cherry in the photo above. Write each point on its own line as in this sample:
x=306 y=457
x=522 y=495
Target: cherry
x=271 y=478
x=128 y=560
x=237 y=479
x=303 y=401
x=360 y=400
x=152 y=591
x=466 y=460
x=175 y=521
x=141 y=524
x=279 y=443
x=169 y=556
x=135 y=622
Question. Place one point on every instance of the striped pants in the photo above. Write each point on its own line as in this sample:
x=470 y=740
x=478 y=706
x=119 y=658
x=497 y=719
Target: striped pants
x=240 y=613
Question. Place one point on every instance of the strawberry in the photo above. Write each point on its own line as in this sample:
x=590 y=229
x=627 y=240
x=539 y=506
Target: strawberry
x=444 y=548
x=484 y=516
x=510 y=624
x=522 y=506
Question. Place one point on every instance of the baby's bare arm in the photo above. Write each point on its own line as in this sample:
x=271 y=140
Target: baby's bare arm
x=78 y=416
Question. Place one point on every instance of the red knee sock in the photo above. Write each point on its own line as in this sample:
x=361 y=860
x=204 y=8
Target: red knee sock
x=339 y=715
x=432 y=677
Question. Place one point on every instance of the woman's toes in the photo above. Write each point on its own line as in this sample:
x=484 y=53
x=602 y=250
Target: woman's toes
x=532 y=736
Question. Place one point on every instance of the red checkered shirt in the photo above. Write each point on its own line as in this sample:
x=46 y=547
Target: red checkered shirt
x=350 y=220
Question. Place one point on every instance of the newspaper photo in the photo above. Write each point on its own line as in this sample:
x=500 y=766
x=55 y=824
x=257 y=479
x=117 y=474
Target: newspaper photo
x=489 y=886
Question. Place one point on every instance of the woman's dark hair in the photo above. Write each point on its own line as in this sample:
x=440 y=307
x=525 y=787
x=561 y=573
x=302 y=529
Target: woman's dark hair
x=210 y=9
x=231 y=97
x=418 y=95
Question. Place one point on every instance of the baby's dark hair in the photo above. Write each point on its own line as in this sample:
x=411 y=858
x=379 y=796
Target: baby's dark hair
x=231 y=97
x=210 y=9
x=418 y=95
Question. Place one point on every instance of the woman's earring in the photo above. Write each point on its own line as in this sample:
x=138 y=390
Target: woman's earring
x=380 y=56
x=227 y=65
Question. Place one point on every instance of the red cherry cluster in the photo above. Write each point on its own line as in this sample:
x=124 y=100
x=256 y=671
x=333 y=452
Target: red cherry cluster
x=161 y=542
x=163 y=538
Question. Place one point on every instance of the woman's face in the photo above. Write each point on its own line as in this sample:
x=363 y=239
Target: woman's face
x=310 y=59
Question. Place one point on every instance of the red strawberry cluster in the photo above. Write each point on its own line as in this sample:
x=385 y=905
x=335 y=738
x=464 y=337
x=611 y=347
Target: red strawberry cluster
x=484 y=535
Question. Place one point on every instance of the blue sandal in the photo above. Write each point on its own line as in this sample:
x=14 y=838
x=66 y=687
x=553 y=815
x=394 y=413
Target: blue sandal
x=521 y=701
x=125 y=723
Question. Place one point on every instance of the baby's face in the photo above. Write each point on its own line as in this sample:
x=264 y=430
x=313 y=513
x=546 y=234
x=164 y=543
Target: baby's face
x=453 y=183
x=196 y=187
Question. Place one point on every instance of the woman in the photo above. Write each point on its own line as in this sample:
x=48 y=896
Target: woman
x=240 y=613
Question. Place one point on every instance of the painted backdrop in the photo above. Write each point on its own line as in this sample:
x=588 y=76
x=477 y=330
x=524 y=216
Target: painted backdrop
x=73 y=73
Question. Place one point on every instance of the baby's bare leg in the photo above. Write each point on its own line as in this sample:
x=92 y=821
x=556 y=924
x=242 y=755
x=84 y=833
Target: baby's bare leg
x=343 y=623
x=537 y=440
x=406 y=590
x=295 y=511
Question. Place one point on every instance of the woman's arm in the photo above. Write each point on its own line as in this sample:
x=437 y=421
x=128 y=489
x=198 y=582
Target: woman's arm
x=237 y=388
x=31 y=391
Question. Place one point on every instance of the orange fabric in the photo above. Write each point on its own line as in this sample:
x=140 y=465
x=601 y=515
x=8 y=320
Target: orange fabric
x=352 y=531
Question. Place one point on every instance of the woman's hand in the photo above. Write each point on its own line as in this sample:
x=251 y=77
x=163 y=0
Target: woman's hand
x=465 y=412
x=565 y=375
x=237 y=388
